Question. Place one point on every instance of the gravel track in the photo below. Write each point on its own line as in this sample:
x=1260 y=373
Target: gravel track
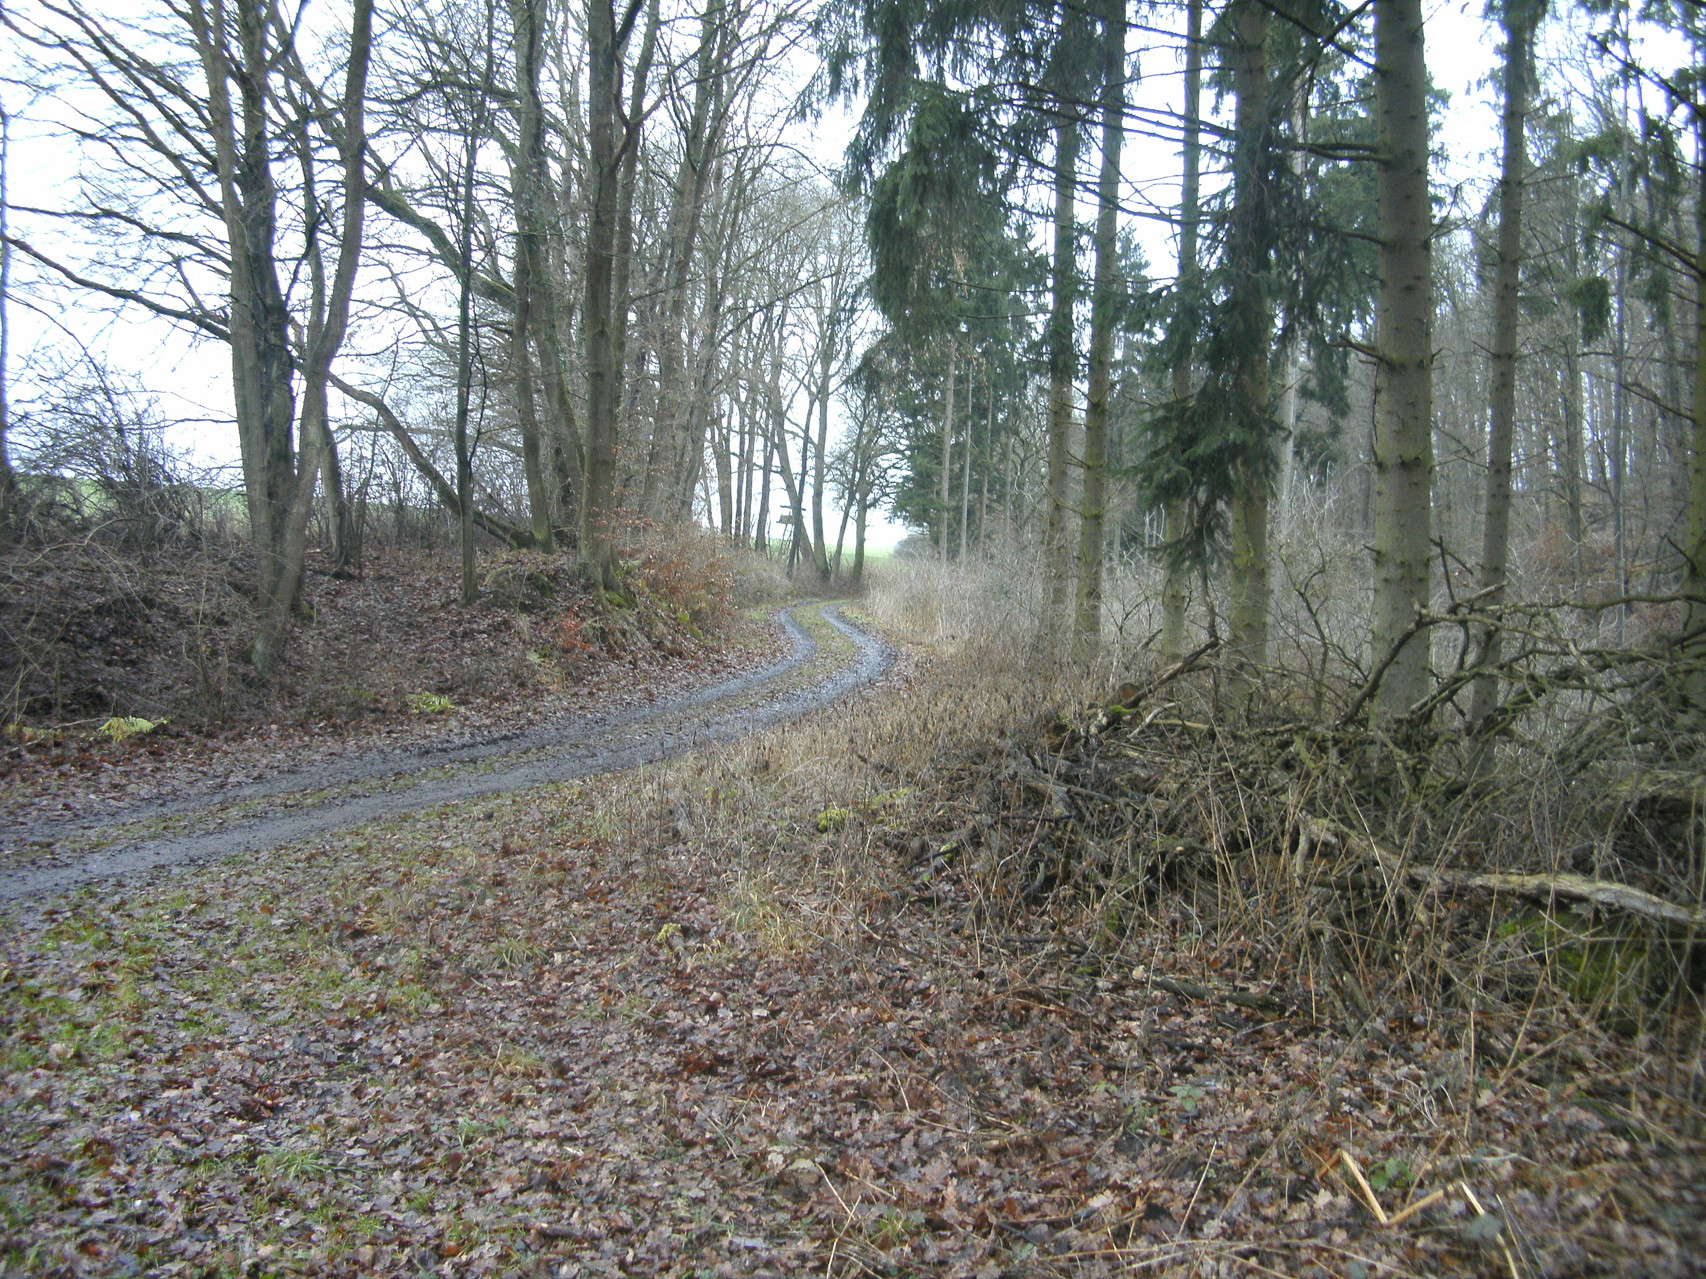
x=290 y=805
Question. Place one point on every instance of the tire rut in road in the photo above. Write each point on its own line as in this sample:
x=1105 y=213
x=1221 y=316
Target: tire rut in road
x=487 y=766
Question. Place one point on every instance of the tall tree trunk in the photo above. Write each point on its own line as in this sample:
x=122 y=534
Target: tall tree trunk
x=830 y=339
x=1617 y=448
x=261 y=364
x=8 y=478
x=1403 y=439
x=465 y=375
x=606 y=38
x=793 y=486
x=346 y=551
x=527 y=179
x=325 y=336
x=746 y=463
x=1062 y=359
x=1292 y=357
x=1104 y=299
x=859 y=521
x=1575 y=529
x=1175 y=585
x=965 y=474
x=1247 y=615
x=988 y=458
x=721 y=447
x=945 y=498
x=627 y=190
x=664 y=480
x=1694 y=578
x=761 y=525
x=1501 y=419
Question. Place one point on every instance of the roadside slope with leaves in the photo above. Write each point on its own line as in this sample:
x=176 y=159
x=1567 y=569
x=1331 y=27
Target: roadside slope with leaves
x=391 y=661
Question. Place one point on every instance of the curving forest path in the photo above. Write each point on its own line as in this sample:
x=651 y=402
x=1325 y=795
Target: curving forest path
x=48 y=856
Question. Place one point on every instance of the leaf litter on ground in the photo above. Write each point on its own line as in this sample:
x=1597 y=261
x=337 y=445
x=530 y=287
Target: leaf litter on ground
x=587 y=1030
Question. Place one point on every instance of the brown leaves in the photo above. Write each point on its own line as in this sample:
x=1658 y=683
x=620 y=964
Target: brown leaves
x=490 y=1041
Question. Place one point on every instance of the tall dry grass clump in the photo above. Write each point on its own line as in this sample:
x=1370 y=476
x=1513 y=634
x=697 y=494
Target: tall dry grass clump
x=808 y=820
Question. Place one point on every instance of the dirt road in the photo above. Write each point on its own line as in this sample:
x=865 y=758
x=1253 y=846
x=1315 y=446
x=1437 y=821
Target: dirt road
x=47 y=856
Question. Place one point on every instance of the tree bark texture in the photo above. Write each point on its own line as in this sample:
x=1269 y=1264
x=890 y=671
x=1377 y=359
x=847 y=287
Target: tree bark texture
x=532 y=274
x=1501 y=415
x=1175 y=589
x=605 y=40
x=1104 y=301
x=1694 y=580
x=1062 y=362
x=1247 y=619
x=1403 y=437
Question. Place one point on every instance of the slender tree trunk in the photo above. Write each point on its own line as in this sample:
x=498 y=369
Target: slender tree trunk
x=605 y=43
x=943 y=504
x=1291 y=360
x=346 y=552
x=721 y=448
x=761 y=526
x=8 y=478
x=793 y=486
x=1175 y=584
x=627 y=189
x=805 y=545
x=988 y=460
x=1501 y=419
x=664 y=482
x=1062 y=358
x=325 y=338
x=1617 y=449
x=746 y=464
x=965 y=474
x=1694 y=578
x=859 y=520
x=527 y=20
x=1103 y=305
x=819 y=475
x=1575 y=529
x=261 y=365
x=465 y=345
x=1403 y=441
x=689 y=458
x=1247 y=614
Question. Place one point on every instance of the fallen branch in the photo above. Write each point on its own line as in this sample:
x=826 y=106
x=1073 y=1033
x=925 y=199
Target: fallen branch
x=1543 y=888
x=1128 y=696
x=1218 y=994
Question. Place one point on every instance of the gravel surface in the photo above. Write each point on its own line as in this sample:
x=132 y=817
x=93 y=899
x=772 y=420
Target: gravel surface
x=46 y=856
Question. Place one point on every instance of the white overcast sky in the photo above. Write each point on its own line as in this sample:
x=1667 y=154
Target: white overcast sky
x=191 y=378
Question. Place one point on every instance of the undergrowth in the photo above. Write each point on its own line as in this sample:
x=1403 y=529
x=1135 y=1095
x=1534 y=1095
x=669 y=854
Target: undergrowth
x=1306 y=869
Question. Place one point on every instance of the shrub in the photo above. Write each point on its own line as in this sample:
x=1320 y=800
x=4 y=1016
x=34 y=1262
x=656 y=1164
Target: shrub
x=690 y=572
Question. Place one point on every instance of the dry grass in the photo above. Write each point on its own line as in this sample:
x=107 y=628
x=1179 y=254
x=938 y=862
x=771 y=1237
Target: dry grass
x=1235 y=851
x=1020 y=927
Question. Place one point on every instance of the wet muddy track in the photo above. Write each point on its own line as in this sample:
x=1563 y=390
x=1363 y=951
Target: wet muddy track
x=291 y=805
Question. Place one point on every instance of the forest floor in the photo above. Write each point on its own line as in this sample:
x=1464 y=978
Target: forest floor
x=755 y=1011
